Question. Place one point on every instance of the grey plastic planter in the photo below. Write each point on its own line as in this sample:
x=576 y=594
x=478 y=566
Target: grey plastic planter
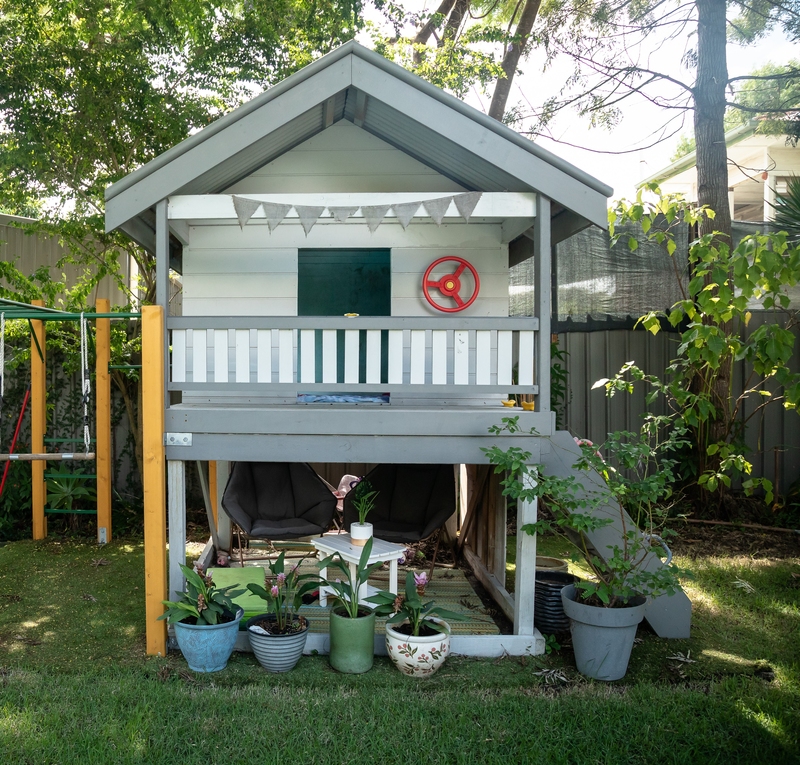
x=208 y=647
x=602 y=638
x=276 y=653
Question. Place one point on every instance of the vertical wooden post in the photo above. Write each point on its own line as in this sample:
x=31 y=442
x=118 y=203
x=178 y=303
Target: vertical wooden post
x=224 y=528
x=155 y=509
x=542 y=298
x=38 y=424
x=212 y=489
x=176 y=507
x=102 y=385
x=525 y=581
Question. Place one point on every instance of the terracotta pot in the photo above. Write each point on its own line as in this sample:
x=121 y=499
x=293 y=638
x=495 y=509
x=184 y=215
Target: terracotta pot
x=418 y=656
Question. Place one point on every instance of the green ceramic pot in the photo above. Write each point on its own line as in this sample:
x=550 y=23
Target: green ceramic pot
x=352 y=641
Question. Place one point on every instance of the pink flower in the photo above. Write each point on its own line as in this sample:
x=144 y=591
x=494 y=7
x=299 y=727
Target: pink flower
x=281 y=579
x=274 y=591
x=420 y=580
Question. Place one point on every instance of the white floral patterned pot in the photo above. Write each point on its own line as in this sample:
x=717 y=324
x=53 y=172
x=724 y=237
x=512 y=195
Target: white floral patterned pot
x=417 y=656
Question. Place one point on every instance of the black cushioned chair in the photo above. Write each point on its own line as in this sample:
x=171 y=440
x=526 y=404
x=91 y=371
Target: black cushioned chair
x=278 y=500
x=413 y=501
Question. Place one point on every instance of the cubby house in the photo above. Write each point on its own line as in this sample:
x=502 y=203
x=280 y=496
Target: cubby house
x=344 y=241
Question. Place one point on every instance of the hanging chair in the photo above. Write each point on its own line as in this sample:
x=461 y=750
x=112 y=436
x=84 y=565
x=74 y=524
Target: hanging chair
x=412 y=501
x=278 y=500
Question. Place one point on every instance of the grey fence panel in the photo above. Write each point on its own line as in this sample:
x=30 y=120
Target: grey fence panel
x=772 y=433
x=29 y=252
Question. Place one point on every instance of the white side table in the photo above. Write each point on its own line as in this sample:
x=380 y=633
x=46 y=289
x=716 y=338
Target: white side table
x=382 y=551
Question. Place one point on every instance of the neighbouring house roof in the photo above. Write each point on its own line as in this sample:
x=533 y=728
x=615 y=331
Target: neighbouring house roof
x=688 y=161
x=758 y=166
x=358 y=85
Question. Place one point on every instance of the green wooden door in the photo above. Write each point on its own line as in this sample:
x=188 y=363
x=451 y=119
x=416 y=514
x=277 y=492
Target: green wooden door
x=338 y=281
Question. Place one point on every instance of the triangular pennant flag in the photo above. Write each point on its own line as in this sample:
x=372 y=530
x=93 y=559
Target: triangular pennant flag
x=405 y=212
x=341 y=214
x=308 y=216
x=275 y=213
x=436 y=208
x=374 y=214
x=244 y=208
x=466 y=203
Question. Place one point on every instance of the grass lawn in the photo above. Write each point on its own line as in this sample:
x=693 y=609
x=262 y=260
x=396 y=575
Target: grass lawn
x=76 y=687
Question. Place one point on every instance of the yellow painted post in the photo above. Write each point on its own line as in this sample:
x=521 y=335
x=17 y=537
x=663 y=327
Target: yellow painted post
x=155 y=485
x=102 y=385
x=212 y=488
x=38 y=425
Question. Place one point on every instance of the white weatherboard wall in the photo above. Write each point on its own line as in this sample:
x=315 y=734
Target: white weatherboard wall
x=230 y=271
x=343 y=158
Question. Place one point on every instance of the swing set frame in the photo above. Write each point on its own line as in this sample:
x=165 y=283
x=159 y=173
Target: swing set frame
x=37 y=316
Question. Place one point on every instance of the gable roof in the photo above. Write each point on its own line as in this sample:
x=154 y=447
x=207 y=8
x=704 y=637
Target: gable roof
x=359 y=85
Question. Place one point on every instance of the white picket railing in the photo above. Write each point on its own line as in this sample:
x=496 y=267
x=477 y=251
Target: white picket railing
x=387 y=354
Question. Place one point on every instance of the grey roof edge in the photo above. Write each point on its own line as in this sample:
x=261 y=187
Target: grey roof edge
x=690 y=160
x=354 y=48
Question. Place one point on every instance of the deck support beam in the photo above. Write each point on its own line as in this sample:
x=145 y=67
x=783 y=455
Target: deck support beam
x=155 y=513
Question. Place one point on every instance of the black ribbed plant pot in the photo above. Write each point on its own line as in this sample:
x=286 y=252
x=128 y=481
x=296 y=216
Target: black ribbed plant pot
x=548 y=613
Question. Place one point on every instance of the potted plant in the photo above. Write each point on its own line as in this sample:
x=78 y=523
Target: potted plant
x=352 y=625
x=605 y=611
x=206 y=621
x=417 y=637
x=278 y=637
x=363 y=501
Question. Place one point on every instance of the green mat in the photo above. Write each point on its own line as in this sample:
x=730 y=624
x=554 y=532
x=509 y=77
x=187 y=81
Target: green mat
x=449 y=589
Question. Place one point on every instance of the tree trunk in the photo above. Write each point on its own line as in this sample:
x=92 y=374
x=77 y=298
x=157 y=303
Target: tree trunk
x=709 y=115
x=512 y=57
x=712 y=186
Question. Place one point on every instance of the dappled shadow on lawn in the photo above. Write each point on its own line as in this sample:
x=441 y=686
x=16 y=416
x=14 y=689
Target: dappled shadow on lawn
x=65 y=603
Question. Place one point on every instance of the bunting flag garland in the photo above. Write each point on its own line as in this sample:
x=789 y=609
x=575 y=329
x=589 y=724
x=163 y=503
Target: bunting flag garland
x=244 y=209
x=341 y=214
x=275 y=214
x=405 y=212
x=436 y=208
x=466 y=203
x=308 y=216
x=374 y=215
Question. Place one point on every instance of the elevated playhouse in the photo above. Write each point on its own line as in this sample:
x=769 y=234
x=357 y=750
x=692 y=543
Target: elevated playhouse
x=344 y=243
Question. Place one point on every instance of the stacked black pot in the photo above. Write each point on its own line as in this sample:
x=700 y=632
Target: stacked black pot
x=548 y=614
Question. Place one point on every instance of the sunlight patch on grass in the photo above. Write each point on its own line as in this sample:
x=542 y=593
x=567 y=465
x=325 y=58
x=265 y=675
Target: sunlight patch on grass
x=701 y=599
x=729 y=658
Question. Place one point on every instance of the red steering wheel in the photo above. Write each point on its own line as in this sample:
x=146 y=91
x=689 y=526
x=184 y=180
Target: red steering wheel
x=450 y=284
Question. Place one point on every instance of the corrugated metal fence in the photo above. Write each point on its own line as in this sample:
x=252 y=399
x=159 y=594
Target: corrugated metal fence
x=772 y=436
x=31 y=252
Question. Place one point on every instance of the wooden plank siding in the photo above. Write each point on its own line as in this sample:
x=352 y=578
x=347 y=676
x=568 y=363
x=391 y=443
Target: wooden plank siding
x=773 y=436
x=344 y=158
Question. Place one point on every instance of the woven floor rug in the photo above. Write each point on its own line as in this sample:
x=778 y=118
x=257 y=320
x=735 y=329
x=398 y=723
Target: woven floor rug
x=449 y=589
